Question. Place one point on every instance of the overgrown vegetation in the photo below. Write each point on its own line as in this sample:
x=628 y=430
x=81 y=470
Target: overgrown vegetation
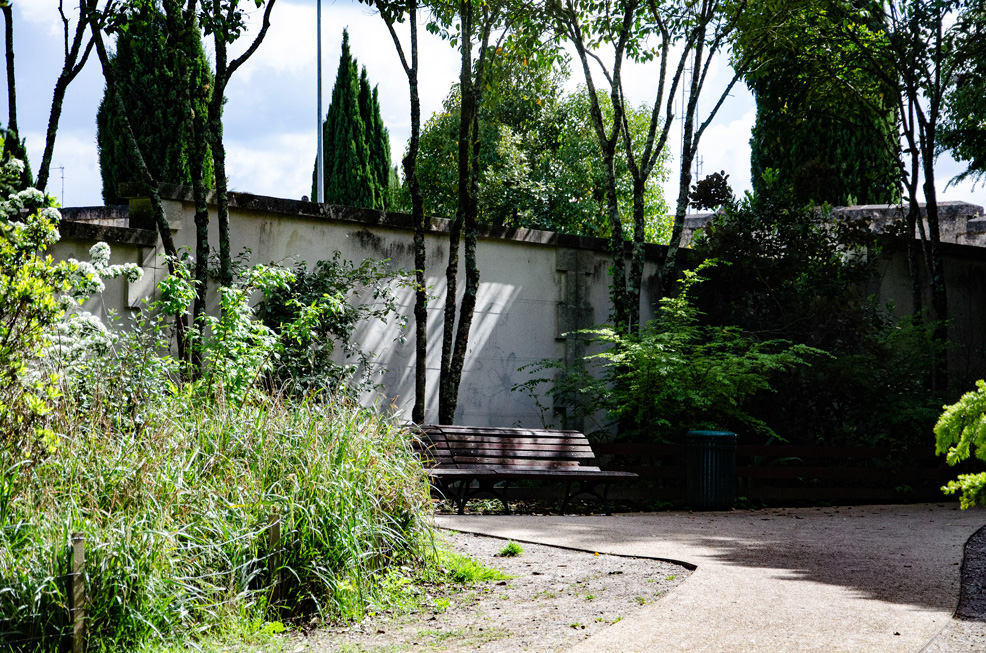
x=316 y=314
x=203 y=502
x=780 y=342
x=796 y=273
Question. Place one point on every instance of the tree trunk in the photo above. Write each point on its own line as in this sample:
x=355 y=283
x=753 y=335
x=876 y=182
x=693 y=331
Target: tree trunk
x=219 y=162
x=70 y=69
x=637 y=259
x=448 y=388
x=418 y=217
x=150 y=184
x=8 y=19
x=669 y=269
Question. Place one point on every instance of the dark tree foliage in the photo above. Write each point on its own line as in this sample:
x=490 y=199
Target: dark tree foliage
x=712 y=192
x=356 y=144
x=790 y=273
x=963 y=129
x=148 y=73
x=14 y=147
x=827 y=143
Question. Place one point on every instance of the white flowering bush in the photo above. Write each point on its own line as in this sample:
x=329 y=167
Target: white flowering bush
x=88 y=277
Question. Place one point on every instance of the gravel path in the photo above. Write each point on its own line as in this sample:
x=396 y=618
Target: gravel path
x=555 y=599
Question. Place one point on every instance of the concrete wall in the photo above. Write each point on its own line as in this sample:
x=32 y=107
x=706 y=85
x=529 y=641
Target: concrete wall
x=535 y=286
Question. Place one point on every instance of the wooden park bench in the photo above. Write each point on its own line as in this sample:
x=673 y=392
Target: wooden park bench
x=465 y=462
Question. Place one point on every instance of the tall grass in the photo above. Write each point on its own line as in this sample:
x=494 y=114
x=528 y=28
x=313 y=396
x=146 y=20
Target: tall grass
x=177 y=512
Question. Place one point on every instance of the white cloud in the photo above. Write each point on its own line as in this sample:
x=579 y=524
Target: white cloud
x=280 y=166
x=75 y=151
x=43 y=15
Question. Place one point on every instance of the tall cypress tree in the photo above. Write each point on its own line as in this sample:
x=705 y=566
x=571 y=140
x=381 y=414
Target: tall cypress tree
x=827 y=143
x=356 y=144
x=147 y=70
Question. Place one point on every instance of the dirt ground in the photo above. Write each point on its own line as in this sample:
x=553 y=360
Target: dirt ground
x=554 y=599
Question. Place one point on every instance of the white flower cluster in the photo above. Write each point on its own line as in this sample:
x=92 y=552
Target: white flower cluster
x=87 y=276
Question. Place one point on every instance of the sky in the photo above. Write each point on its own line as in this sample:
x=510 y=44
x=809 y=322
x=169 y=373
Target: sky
x=270 y=119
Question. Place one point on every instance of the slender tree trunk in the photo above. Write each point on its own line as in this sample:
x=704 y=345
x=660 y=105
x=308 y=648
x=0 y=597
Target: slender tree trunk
x=75 y=60
x=219 y=163
x=447 y=388
x=418 y=217
x=8 y=19
x=669 y=269
x=150 y=184
x=637 y=258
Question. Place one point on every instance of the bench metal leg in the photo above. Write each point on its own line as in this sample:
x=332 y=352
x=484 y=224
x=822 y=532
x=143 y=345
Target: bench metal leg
x=597 y=490
x=461 y=491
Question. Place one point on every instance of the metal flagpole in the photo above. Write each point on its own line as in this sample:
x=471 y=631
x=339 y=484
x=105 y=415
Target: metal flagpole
x=318 y=158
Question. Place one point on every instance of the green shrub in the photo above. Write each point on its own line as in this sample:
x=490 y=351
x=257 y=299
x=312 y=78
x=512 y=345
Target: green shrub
x=961 y=434
x=315 y=316
x=677 y=374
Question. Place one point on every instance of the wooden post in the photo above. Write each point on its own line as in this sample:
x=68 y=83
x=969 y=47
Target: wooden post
x=77 y=593
x=274 y=562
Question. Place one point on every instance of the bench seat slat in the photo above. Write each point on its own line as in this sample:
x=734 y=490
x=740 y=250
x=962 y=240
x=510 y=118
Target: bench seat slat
x=503 y=461
x=523 y=453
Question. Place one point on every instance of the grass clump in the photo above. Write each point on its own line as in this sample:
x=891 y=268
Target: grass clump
x=178 y=520
x=511 y=550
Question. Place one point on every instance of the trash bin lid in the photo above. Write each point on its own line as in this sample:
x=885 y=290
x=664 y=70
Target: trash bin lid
x=713 y=434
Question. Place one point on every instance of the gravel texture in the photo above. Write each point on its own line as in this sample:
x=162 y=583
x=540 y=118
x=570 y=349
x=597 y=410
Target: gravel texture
x=555 y=598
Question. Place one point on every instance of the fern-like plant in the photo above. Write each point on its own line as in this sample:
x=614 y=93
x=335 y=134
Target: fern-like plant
x=961 y=434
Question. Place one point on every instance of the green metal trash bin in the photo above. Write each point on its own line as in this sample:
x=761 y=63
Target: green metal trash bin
x=711 y=469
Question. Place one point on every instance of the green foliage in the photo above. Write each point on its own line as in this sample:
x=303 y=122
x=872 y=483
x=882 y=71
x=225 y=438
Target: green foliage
x=32 y=300
x=148 y=71
x=510 y=550
x=540 y=165
x=356 y=145
x=963 y=129
x=14 y=148
x=465 y=570
x=795 y=274
x=177 y=519
x=961 y=434
x=712 y=192
x=315 y=316
x=176 y=485
x=678 y=375
x=825 y=123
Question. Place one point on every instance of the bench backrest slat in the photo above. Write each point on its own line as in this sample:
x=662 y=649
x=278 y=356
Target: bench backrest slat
x=469 y=447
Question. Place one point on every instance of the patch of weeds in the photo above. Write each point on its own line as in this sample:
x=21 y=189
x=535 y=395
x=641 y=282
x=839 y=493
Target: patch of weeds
x=589 y=597
x=443 y=635
x=547 y=594
x=511 y=550
x=640 y=600
x=441 y=604
x=617 y=620
x=576 y=625
x=671 y=577
x=461 y=569
x=383 y=648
